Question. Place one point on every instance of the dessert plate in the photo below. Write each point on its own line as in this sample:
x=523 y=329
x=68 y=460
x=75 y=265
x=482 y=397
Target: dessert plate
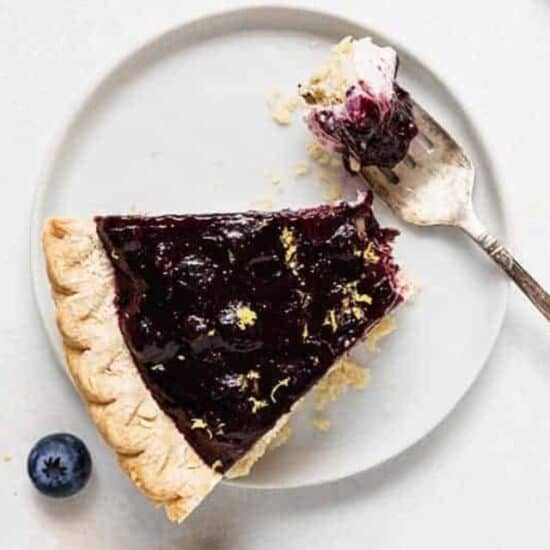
x=182 y=125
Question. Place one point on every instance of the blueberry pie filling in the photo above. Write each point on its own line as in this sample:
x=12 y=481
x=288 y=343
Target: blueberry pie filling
x=232 y=318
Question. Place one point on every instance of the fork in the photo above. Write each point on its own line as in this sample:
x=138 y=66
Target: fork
x=433 y=185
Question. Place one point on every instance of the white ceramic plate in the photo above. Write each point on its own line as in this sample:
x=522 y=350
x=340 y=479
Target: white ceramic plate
x=182 y=125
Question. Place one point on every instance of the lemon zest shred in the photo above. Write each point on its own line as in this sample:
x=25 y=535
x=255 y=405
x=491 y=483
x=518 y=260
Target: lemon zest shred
x=257 y=404
x=370 y=255
x=246 y=317
x=330 y=320
x=357 y=312
x=200 y=424
x=289 y=244
x=281 y=383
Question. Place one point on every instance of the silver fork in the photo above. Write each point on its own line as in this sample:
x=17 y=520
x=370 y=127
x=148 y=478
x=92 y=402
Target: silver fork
x=433 y=186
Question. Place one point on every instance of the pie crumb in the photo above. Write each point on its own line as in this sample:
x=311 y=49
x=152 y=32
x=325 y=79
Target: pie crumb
x=282 y=116
x=302 y=168
x=314 y=150
x=413 y=287
x=292 y=103
x=335 y=162
x=324 y=159
x=345 y=374
x=282 y=108
x=322 y=424
x=6 y=458
x=386 y=326
x=274 y=177
x=264 y=203
x=333 y=192
x=273 y=98
x=321 y=156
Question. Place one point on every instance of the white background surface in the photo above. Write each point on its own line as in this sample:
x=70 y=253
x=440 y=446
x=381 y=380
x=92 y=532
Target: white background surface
x=482 y=480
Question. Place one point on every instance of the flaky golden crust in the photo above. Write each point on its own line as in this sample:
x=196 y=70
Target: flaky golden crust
x=149 y=447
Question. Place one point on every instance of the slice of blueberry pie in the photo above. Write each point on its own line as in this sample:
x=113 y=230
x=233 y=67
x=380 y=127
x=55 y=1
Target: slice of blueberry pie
x=193 y=337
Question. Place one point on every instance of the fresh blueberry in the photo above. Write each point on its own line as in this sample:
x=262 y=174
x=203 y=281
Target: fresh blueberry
x=59 y=465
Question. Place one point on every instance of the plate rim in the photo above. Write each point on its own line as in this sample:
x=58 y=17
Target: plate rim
x=58 y=141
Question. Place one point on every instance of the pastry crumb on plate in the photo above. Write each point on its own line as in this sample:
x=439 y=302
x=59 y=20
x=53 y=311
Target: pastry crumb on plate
x=322 y=424
x=344 y=375
x=301 y=168
x=274 y=176
x=333 y=190
x=386 y=326
x=282 y=108
x=282 y=116
x=264 y=203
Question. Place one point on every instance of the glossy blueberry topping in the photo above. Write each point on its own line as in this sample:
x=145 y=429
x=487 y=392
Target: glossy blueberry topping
x=231 y=318
x=374 y=132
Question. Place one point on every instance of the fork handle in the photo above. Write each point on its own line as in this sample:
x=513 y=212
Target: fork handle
x=503 y=257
